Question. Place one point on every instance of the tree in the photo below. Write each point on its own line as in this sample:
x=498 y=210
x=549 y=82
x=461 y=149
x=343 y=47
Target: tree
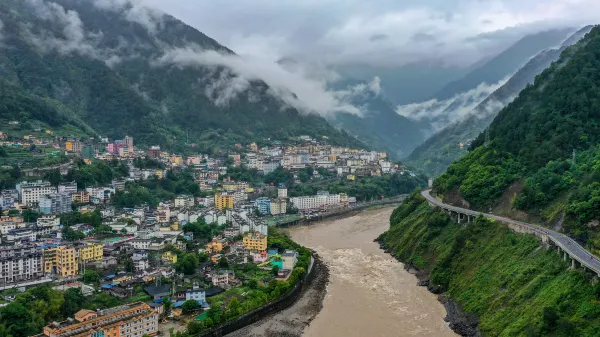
x=53 y=176
x=167 y=306
x=129 y=266
x=74 y=301
x=275 y=270
x=72 y=235
x=18 y=320
x=187 y=264
x=91 y=276
x=194 y=327
x=223 y=263
x=190 y=306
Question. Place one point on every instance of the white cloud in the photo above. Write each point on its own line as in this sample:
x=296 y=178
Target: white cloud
x=337 y=32
x=297 y=87
x=134 y=11
x=443 y=113
x=75 y=38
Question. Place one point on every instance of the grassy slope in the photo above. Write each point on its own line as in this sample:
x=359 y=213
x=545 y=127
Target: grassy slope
x=508 y=280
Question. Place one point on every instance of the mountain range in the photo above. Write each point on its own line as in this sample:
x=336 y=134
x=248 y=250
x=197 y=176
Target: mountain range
x=539 y=160
x=452 y=142
x=90 y=67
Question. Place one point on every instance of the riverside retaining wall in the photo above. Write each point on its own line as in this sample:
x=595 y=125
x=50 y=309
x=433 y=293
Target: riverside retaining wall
x=266 y=310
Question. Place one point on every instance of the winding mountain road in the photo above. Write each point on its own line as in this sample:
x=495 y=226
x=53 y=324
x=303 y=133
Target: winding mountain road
x=575 y=251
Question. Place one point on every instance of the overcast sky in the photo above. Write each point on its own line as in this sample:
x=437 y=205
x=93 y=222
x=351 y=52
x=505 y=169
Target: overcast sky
x=378 y=32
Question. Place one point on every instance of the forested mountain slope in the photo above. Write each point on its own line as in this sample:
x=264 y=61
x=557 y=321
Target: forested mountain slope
x=440 y=150
x=542 y=159
x=105 y=63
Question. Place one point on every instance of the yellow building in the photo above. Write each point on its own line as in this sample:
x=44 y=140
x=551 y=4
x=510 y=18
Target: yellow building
x=351 y=177
x=169 y=257
x=60 y=260
x=159 y=174
x=223 y=201
x=255 y=241
x=177 y=159
x=215 y=246
x=81 y=197
x=69 y=146
x=90 y=251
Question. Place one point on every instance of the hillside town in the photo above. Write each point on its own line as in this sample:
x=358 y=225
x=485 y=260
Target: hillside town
x=176 y=257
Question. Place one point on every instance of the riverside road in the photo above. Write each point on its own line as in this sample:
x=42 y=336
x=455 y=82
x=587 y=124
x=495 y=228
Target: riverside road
x=564 y=243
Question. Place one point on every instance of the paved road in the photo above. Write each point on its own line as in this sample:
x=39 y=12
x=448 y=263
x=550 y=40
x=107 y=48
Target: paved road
x=567 y=244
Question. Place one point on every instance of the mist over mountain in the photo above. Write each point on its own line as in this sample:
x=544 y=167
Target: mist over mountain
x=444 y=147
x=128 y=69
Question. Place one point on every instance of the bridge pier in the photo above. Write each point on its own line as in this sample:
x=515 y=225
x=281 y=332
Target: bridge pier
x=573 y=264
x=565 y=256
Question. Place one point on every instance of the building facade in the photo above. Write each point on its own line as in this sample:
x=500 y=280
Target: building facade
x=30 y=193
x=129 y=320
x=55 y=203
x=255 y=242
x=60 y=260
x=223 y=201
x=20 y=263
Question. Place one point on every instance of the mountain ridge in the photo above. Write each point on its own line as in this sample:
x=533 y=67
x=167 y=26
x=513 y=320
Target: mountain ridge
x=101 y=64
x=437 y=152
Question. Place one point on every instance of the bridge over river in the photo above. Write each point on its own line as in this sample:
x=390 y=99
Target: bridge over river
x=564 y=244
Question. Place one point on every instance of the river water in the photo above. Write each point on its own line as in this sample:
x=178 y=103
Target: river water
x=369 y=293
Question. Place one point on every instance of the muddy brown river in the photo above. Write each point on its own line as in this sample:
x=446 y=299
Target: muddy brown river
x=369 y=293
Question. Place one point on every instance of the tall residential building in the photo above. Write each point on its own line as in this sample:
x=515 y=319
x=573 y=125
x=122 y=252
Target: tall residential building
x=73 y=146
x=89 y=251
x=55 y=203
x=60 y=260
x=322 y=199
x=263 y=205
x=223 y=201
x=129 y=320
x=282 y=192
x=87 y=152
x=68 y=188
x=278 y=206
x=30 y=193
x=153 y=152
x=129 y=143
x=20 y=263
x=255 y=241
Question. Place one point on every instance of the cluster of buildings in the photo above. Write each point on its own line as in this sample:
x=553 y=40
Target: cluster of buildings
x=341 y=160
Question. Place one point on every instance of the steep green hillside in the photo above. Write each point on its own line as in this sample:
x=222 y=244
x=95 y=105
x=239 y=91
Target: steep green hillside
x=443 y=148
x=527 y=167
x=103 y=64
x=513 y=285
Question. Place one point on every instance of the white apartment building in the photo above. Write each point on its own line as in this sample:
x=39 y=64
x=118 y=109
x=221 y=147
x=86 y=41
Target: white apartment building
x=278 y=207
x=184 y=201
x=20 y=263
x=7 y=226
x=48 y=220
x=21 y=234
x=68 y=188
x=322 y=199
x=30 y=193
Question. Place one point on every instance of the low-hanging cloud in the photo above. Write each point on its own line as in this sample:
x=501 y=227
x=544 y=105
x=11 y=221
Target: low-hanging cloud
x=74 y=40
x=348 y=32
x=297 y=88
x=134 y=11
x=443 y=113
